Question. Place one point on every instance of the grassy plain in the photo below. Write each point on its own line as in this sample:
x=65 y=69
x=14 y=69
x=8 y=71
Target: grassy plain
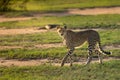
x=110 y=36
x=107 y=71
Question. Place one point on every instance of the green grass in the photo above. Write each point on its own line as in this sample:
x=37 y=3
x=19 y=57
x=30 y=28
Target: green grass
x=109 y=71
x=73 y=21
x=35 y=53
x=115 y=53
x=23 y=54
x=50 y=53
x=110 y=36
x=58 y=5
x=30 y=39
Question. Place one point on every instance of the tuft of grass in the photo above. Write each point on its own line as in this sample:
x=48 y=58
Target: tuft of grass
x=109 y=71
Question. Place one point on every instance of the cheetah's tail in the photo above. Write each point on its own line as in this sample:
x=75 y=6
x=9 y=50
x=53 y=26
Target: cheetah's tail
x=105 y=52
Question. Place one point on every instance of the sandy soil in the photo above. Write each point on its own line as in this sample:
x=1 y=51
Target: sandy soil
x=45 y=61
x=10 y=47
x=4 y=19
x=43 y=46
x=49 y=45
x=22 y=63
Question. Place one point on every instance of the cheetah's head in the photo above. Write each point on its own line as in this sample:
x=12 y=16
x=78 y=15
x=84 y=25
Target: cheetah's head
x=61 y=30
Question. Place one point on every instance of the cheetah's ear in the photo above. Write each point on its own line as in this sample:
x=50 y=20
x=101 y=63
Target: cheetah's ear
x=65 y=27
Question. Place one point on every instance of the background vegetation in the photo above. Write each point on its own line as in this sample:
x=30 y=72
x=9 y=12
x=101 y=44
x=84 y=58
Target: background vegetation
x=27 y=7
x=55 y=5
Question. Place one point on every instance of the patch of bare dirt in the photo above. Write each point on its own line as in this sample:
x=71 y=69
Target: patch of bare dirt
x=109 y=47
x=4 y=19
x=43 y=46
x=20 y=31
x=96 y=29
x=45 y=61
x=9 y=47
x=49 y=45
x=22 y=63
x=95 y=11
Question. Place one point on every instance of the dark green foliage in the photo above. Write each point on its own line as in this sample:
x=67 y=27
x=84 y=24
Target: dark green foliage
x=6 y=5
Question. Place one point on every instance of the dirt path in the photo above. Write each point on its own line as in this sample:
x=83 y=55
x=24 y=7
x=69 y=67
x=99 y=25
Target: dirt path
x=45 y=61
x=40 y=46
x=92 y=11
x=10 y=47
x=20 y=31
x=95 y=11
x=4 y=19
x=109 y=47
x=52 y=45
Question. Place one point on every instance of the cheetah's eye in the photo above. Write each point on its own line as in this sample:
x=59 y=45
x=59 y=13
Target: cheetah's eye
x=60 y=31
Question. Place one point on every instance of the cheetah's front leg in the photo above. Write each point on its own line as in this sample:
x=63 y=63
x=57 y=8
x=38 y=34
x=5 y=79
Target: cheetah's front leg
x=89 y=56
x=66 y=56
